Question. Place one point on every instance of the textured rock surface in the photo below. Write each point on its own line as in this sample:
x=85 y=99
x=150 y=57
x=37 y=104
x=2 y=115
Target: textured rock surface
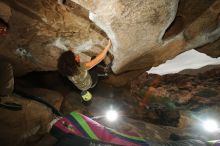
x=183 y=88
x=25 y=126
x=143 y=33
x=40 y=30
x=192 y=95
x=118 y=99
x=211 y=49
x=134 y=27
x=170 y=94
x=5 y=12
x=137 y=28
x=52 y=97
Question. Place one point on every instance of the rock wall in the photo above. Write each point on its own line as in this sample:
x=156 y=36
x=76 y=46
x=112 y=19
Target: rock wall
x=40 y=30
x=137 y=28
x=187 y=92
x=134 y=27
x=143 y=33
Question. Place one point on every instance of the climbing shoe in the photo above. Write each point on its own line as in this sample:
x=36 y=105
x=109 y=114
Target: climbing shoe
x=86 y=96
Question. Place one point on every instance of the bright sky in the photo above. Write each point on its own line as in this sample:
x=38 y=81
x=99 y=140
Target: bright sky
x=191 y=59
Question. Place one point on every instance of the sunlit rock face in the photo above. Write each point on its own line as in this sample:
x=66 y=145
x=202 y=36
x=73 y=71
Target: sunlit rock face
x=137 y=28
x=40 y=30
x=143 y=33
x=134 y=27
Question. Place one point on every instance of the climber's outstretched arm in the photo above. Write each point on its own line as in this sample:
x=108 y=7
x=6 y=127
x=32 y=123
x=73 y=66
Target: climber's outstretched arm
x=98 y=58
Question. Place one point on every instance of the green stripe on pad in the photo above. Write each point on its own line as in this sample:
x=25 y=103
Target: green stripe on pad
x=84 y=125
x=127 y=136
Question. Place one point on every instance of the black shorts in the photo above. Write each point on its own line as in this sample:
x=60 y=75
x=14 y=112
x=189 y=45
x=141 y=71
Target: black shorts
x=94 y=76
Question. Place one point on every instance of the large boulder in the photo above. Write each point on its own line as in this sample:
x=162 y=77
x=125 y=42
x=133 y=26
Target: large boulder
x=40 y=30
x=143 y=33
x=24 y=126
x=52 y=97
x=137 y=28
x=134 y=27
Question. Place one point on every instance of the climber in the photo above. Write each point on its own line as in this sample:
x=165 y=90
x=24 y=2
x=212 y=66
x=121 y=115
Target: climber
x=69 y=65
x=3 y=27
x=79 y=129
